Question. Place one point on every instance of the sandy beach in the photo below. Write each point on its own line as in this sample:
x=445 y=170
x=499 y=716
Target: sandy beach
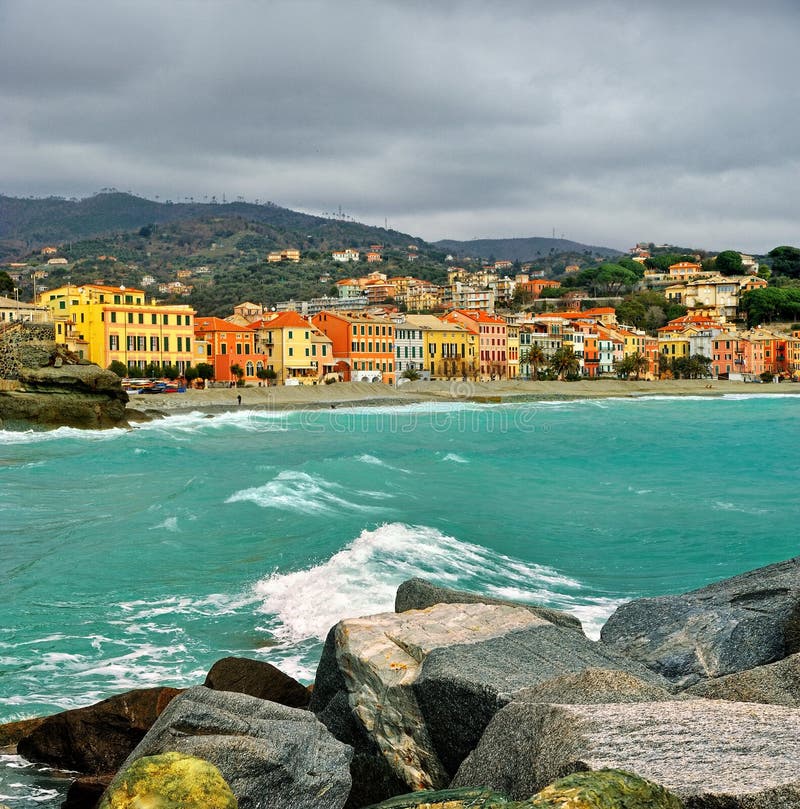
x=360 y=394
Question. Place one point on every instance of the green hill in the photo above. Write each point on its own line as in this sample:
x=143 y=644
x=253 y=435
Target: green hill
x=527 y=249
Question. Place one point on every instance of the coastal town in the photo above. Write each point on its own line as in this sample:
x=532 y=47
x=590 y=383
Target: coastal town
x=484 y=324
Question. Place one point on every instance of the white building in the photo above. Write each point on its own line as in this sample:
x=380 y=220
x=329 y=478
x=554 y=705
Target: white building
x=408 y=345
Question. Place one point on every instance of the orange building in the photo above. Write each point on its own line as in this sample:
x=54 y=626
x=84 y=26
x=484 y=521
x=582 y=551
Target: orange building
x=228 y=345
x=363 y=346
x=533 y=289
x=493 y=333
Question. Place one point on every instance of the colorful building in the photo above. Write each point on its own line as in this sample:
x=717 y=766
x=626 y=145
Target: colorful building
x=493 y=339
x=450 y=349
x=229 y=345
x=363 y=346
x=104 y=324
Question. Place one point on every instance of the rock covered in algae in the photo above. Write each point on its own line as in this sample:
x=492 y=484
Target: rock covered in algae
x=603 y=789
x=169 y=781
x=463 y=798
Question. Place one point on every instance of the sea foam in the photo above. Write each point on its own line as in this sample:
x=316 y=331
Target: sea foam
x=363 y=577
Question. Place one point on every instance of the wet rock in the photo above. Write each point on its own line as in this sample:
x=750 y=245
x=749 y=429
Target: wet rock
x=418 y=594
x=733 y=625
x=776 y=684
x=258 y=679
x=12 y=732
x=169 y=780
x=272 y=756
x=710 y=754
x=98 y=738
x=604 y=789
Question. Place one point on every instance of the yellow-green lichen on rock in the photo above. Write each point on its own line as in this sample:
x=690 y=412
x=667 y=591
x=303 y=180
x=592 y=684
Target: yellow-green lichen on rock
x=462 y=798
x=603 y=789
x=169 y=781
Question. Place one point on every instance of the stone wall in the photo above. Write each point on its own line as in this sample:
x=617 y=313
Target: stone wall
x=25 y=345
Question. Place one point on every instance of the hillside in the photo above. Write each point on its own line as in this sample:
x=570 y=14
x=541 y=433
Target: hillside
x=28 y=224
x=529 y=249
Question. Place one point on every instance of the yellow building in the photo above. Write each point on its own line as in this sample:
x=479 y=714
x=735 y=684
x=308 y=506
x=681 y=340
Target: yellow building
x=294 y=348
x=512 y=335
x=103 y=324
x=449 y=349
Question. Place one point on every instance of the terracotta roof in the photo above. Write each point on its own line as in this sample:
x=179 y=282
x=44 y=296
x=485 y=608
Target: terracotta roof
x=216 y=324
x=282 y=321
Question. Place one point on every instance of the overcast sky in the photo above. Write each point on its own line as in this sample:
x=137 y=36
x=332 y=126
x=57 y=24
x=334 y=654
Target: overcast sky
x=609 y=123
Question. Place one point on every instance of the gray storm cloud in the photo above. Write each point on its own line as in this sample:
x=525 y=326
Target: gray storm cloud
x=610 y=122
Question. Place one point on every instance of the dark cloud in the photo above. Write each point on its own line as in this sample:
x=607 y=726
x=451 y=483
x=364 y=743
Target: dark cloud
x=610 y=122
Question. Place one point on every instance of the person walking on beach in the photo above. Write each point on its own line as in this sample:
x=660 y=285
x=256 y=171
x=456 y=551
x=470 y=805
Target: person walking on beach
x=239 y=397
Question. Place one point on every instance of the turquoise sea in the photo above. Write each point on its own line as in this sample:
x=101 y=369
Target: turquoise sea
x=135 y=558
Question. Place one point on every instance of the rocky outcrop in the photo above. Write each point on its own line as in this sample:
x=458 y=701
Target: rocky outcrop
x=733 y=625
x=711 y=754
x=272 y=756
x=96 y=739
x=83 y=396
x=413 y=692
x=12 y=732
x=169 y=780
x=418 y=594
x=258 y=679
x=775 y=684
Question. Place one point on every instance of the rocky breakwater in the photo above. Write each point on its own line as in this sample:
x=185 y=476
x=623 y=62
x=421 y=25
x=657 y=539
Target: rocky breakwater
x=44 y=384
x=458 y=701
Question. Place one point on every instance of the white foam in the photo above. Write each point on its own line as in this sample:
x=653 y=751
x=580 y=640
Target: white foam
x=307 y=494
x=59 y=434
x=362 y=579
x=454 y=458
x=371 y=460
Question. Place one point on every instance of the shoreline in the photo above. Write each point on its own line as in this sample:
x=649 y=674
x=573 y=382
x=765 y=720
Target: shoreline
x=367 y=394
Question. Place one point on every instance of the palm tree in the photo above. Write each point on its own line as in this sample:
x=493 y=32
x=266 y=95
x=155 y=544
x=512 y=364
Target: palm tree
x=238 y=372
x=640 y=365
x=534 y=358
x=564 y=362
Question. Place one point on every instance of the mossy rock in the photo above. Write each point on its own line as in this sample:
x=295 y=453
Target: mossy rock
x=603 y=789
x=169 y=781
x=464 y=798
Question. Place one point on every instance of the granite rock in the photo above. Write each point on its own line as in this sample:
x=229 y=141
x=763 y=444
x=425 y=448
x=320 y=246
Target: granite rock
x=272 y=756
x=418 y=594
x=413 y=692
x=776 y=684
x=710 y=754
x=733 y=625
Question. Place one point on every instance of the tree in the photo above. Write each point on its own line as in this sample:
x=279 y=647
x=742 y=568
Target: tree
x=564 y=362
x=534 y=358
x=6 y=284
x=205 y=370
x=785 y=261
x=119 y=368
x=238 y=372
x=641 y=365
x=728 y=262
x=411 y=374
x=190 y=374
x=170 y=372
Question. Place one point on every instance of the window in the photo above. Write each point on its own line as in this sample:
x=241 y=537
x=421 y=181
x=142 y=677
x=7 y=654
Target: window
x=129 y=299
x=130 y=317
x=62 y=304
x=291 y=335
x=307 y=352
x=166 y=320
x=180 y=344
x=166 y=344
x=141 y=317
x=291 y=351
x=113 y=342
x=246 y=347
x=249 y=369
x=154 y=319
x=238 y=348
x=154 y=343
x=131 y=343
x=117 y=299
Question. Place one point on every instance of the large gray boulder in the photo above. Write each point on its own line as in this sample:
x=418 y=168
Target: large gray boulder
x=711 y=754
x=418 y=594
x=733 y=625
x=272 y=756
x=776 y=684
x=413 y=692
